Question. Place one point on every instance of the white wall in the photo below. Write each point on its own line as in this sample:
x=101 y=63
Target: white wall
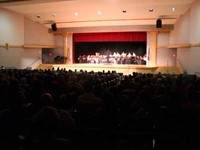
x=165 y=57
x=148 y=63
x=11 y=32
x=180 y=34
x=37 y=34
x=59 y=41
x=194 y=34
x=70 y=46
x=18 y=30
x=187 y=31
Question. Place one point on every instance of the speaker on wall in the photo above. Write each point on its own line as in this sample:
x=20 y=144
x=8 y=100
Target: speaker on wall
x=54 y=27
x=158 y=23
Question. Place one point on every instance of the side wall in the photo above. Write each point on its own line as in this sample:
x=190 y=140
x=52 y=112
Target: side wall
x=165 y=57
x=187 y=31
x=11 y=32
x=18 y=30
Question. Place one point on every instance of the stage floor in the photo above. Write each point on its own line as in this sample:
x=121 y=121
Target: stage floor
x=126 y=69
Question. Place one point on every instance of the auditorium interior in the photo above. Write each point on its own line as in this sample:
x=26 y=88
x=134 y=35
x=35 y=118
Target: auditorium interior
x=99 y=74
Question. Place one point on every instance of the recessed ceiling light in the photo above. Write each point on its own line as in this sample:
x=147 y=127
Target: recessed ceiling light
x=173 y=9
x=124 y=11
x=76 y=14
x=99 y=12
x=151 y=10
x=53 y=14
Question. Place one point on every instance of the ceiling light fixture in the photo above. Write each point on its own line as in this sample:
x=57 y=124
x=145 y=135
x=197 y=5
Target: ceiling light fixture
x=53 y=14
x=99 y=12
x=76 y=14
x=151 y=10
x=173 y=9
x=38 y=16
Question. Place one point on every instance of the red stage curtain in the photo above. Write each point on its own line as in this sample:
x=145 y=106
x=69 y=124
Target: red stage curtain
x=110 y=36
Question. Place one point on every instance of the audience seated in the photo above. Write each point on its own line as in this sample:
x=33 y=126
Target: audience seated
x=66 y=105
x=47 y=122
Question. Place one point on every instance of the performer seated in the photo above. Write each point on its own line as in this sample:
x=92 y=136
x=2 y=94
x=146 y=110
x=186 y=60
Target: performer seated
x=108 y=56
x=80 y=59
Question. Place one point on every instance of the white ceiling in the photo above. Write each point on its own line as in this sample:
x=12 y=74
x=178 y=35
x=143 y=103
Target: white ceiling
x=112 y=17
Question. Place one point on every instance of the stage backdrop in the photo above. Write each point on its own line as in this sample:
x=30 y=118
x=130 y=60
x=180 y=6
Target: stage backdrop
x=92 y=43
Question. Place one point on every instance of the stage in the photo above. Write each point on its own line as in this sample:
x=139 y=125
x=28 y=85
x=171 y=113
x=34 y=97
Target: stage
x=119 y=68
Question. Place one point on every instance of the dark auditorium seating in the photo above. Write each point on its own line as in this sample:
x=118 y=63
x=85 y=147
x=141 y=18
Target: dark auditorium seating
x=136 y=112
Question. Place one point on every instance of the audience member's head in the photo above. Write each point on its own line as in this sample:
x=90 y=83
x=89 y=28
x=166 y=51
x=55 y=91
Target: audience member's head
x=46 y=120
x=46 y=99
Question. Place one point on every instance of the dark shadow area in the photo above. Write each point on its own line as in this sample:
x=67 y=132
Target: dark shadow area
x=52 y=56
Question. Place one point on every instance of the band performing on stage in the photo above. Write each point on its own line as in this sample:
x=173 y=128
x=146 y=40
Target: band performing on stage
x=113 y=58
